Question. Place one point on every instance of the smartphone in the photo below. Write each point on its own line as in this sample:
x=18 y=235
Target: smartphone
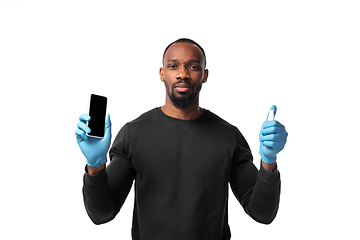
x=97 y=113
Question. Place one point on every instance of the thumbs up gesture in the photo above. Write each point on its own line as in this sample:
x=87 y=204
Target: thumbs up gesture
x=272 y=137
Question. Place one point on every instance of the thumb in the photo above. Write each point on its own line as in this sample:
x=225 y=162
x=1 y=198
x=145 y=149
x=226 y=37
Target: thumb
x=107 y=125
x=107 y=121
x=271 y=114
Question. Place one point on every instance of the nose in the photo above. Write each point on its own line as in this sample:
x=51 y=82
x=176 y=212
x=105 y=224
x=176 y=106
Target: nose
x=183 y=73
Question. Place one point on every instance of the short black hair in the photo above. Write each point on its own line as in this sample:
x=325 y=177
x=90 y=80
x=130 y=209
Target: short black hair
x=186 y=40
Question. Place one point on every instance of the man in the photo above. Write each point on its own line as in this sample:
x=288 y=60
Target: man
x=182 y=158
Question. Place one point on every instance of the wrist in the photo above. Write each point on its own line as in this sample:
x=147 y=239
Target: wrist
x=97 y=163
x=267 y=160
x=268 y=167
x=95 y=170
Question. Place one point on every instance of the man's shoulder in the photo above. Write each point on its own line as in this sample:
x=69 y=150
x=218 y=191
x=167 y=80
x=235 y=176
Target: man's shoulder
x=227 y=130
x=145 y=117
x=148 y=114
x=218 y=121
x=138 y=125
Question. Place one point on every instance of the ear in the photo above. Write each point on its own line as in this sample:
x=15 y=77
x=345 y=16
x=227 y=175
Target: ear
x=206 y=74
x=161 y=73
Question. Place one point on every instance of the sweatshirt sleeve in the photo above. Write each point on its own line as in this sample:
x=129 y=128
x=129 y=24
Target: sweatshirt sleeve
x=105 y=193
x=258 y=191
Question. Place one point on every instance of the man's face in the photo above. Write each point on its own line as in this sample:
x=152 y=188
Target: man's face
x=183 y=74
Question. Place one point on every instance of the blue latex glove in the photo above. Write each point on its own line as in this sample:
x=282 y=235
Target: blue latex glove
x=272 y=138
x=94 y=149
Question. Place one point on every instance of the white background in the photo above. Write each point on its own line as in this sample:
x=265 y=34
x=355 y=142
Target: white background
x=302 y=56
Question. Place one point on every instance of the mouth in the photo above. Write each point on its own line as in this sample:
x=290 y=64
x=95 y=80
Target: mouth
x=182 y=87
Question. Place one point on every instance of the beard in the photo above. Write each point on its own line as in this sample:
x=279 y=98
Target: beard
x=185 y=100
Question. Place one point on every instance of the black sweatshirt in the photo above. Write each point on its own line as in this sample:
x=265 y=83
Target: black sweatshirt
x=182 y=170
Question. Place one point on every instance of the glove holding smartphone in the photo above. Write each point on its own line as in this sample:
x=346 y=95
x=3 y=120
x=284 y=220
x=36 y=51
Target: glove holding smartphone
x=94 y=139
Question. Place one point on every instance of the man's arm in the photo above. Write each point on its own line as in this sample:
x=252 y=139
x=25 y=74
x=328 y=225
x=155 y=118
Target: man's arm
x=106 y=191
x=258 y=191
x=99 y=202
x=261 y=201
x=106 y=188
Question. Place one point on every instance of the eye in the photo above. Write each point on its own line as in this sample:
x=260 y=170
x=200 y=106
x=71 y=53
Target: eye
x=172 y=66
x=194 y=67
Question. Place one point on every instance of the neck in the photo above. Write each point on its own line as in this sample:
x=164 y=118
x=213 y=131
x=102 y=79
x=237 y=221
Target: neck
x=191 y=113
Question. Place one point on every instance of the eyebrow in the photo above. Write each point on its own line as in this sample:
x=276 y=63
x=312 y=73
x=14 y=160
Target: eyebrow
x=177 y=60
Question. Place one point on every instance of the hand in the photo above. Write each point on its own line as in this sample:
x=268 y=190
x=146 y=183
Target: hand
x=272 y=139
x=94 y=149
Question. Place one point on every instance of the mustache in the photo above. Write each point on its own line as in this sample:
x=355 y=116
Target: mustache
x=182 y=83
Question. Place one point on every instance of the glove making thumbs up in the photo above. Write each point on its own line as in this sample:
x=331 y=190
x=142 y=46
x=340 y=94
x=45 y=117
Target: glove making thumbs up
x=272 y=137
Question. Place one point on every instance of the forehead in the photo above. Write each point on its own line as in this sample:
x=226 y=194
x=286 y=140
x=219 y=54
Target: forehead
x=183 y=52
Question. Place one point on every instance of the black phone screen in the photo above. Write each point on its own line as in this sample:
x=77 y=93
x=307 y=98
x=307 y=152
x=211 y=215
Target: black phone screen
x=97 y=113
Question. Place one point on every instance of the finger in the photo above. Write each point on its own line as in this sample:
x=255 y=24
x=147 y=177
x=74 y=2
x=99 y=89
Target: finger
x=269 y=144
x=271 y=137
x=80 y=135
x=84 y=118
x=82 y=126
x=271 y=113
x=271 y=130
x=272 y=124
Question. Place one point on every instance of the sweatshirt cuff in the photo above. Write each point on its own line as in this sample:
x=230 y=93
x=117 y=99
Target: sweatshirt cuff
x=95 y=179
x=269 y=177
